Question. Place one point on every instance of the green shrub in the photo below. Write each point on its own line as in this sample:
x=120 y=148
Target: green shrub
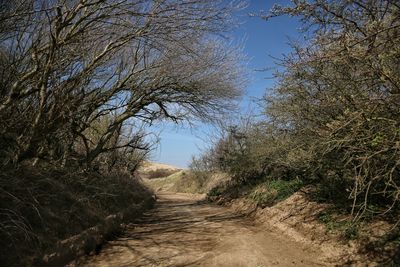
x=273 y=191
x=333 y=116
x=216 y=191
x=345 y=227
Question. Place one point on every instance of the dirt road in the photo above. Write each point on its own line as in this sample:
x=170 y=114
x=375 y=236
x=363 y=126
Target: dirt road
x=180 y=231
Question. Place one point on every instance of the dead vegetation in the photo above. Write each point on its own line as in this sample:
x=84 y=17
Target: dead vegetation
x=41 y=207
x=83 y=78
x=80 y=82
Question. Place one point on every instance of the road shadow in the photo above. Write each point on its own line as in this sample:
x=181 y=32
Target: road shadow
x=177 y=232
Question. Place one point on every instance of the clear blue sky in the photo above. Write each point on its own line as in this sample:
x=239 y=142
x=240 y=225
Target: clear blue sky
x=262 y=41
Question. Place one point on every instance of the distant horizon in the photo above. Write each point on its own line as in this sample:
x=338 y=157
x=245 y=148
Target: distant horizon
x=163 y=163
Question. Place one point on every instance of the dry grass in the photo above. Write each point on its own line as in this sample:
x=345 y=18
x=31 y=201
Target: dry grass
x=151 y=170
x=186 y=181
x=157 y=173
x=38 y=208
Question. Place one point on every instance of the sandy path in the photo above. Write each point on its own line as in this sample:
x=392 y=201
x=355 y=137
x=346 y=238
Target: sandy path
x=180 y=231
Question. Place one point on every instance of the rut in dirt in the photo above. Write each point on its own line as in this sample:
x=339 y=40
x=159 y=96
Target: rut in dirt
x=183 y=231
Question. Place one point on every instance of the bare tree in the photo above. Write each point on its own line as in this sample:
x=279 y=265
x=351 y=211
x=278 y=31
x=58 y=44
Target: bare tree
x=74 y=62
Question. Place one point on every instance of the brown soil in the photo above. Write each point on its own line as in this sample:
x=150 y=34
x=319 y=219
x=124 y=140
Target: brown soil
x=183 y=231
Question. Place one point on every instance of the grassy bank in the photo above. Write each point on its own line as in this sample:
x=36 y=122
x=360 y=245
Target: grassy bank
x=264 y=192
x=40 y=207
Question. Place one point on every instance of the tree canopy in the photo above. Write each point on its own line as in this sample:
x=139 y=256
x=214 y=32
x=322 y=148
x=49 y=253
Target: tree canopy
x=67 y=64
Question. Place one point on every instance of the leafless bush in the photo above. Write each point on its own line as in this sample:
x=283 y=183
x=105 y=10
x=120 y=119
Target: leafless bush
x=67 y=64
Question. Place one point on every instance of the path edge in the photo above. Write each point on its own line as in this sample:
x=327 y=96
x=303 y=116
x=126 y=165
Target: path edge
x=89 y=240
